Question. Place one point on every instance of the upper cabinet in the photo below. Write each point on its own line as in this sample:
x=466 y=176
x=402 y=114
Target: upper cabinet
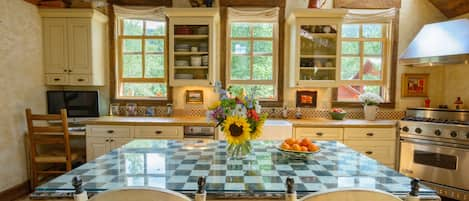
x=314 y=43
x=193 y=46
x=74 y=43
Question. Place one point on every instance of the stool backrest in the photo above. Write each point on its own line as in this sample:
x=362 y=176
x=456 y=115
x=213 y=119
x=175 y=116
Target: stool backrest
x=140 y=194
x=352 y=194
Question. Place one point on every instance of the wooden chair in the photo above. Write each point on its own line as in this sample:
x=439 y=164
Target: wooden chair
x=140 y=194
x=46 y=134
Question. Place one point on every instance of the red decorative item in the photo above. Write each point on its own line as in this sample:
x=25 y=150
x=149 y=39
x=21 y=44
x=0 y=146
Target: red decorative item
x=427 y=102
x=313 y=4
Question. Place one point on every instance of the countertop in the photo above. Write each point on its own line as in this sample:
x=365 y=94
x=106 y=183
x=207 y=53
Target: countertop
x=176 y=165
x=202 y=121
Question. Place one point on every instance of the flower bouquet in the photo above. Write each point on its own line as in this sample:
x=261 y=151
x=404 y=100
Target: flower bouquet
x=238 y=116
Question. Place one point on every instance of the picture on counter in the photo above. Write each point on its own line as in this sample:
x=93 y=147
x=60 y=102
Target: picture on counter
x=306 y=98
x=195 y=96
x=415 y=85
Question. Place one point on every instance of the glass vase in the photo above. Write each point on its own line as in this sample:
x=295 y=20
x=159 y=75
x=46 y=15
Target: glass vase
x=239 y=151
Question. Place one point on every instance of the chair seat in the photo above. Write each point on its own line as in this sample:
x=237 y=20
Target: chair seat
x=54 y=158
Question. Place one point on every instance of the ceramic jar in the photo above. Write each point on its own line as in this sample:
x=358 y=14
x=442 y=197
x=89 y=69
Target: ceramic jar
x=370 y=112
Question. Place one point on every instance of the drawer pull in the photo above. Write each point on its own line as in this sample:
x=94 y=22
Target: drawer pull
x=158 y=132
x=56 y=79
x=110 y=131
x=370 y=134
x=319 y=134
x=112 y=140
x=107 y=140
x=81 y=80
x=368 y=152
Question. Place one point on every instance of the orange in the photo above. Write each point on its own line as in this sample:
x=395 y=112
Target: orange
x=285 y=146
x=290 y=141
x=313 y=147
x=303 y=148
x=305 y=142
x=296 y=147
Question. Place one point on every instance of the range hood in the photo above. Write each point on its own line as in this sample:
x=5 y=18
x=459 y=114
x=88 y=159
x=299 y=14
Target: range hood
x=439 y=43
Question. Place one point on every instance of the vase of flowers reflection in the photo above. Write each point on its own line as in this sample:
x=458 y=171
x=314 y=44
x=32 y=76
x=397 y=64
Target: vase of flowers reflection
x=238 y=116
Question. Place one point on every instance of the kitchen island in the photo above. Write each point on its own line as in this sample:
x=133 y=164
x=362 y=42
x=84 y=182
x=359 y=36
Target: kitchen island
x=176 y=165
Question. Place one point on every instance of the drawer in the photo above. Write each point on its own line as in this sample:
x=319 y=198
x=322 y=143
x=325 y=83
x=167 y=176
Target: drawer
x=382 y=151
x=57 y=79
x=159 y=132
x=369 y=133
x=80 y=80
x=319 y=133
x=111 y=131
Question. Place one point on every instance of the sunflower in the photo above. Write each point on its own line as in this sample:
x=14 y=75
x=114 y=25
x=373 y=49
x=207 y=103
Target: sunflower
x=258 y=130
x=237 y=130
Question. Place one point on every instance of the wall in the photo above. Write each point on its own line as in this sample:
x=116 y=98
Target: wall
x=21 y=82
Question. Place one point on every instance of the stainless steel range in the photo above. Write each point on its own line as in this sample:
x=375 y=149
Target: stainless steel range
x=435 y=148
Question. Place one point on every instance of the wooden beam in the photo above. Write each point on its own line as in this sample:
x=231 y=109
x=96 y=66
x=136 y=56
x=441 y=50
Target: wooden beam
x=452 y=8
x=367 y=4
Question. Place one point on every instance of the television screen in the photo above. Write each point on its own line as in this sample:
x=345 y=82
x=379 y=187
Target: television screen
x=77 y=103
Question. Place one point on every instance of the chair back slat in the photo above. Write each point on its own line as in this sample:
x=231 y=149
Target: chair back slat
x=46 y=117
x=50 y=129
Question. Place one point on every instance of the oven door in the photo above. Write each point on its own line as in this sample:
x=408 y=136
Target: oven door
x=436 y=162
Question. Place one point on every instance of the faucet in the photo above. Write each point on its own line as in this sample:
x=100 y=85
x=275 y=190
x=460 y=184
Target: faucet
x=169 y=109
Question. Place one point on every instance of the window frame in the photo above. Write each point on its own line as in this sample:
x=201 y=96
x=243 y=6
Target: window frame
x=388 y=83
x=119 y=79
x=275 y=55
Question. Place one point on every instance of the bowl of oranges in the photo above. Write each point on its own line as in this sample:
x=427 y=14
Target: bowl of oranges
x=298 y=149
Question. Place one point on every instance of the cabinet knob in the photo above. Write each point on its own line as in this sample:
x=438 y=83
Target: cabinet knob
x=107 y=140
x=368 y=152
x=370 y=134
x=319 y=134
x=81 y=80
x=158 y=132
x=297 y=84
x=65 y=70
x=210 y=83
x=110 y=131
x=56 y=79
x=69 y=71
x=112 y=140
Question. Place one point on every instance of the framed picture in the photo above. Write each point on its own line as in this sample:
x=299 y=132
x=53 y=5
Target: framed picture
x=306 y=98
x=195 y=96
x=414 y=85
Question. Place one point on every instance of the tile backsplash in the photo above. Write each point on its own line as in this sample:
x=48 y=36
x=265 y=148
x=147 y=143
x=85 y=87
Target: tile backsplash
x=274 y=112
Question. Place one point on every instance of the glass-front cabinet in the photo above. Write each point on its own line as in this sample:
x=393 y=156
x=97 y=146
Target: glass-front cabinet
x=314 y=47
x=193 y=48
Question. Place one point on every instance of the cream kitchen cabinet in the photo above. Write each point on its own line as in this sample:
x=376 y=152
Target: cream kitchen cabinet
x=74 y=43
x=377 y=143
x=313 y=41
x=196 y=28
x=97 y=146
x=159 y=132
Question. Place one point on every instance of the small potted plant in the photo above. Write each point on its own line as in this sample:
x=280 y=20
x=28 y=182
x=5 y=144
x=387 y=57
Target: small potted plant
x=338 y=113
x=370 y=105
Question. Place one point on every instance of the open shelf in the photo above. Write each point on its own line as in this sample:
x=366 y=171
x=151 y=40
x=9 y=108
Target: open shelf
x=190 y=67
x=317 y=68
x=189 y=53
x=191 y=36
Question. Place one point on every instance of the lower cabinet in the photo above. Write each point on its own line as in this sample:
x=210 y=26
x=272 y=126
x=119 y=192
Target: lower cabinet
x=101 y=139
x=377 y=143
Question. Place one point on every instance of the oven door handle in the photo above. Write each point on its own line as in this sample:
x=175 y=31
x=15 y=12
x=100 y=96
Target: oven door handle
x=429 y=142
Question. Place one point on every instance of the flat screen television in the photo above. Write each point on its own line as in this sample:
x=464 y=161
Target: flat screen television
x=77 y=103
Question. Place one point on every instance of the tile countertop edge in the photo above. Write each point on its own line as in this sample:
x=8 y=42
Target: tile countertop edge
x=202 y=121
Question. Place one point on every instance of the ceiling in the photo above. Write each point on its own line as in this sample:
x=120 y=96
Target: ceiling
x=452 y=8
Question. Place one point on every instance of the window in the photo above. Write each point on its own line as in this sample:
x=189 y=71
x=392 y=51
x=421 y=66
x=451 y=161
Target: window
x=141 y=59
x=364 y=60
x=252 y=58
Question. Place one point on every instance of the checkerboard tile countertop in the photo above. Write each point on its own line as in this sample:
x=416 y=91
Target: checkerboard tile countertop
x=176 y=165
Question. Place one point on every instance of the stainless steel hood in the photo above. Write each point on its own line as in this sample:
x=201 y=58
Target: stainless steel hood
x=439 y=43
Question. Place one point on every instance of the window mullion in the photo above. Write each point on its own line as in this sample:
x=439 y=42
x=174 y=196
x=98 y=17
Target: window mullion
x=143 y=48
x=251 y=29
x=361 y=49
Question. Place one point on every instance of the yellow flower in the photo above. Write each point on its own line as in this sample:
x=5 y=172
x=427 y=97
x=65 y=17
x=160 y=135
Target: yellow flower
x=214 y=105
x=237 y=130
x=258 y=132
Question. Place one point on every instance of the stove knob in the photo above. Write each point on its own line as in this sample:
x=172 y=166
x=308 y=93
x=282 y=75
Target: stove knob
x=453 y=134
x=437 y=132
x=418 y=130
x=406 y=129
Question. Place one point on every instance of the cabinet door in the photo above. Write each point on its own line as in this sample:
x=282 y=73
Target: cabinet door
x=79 y=43
x=96 y=146
x=55 y=45
x=382 y=151
x=119 y=142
